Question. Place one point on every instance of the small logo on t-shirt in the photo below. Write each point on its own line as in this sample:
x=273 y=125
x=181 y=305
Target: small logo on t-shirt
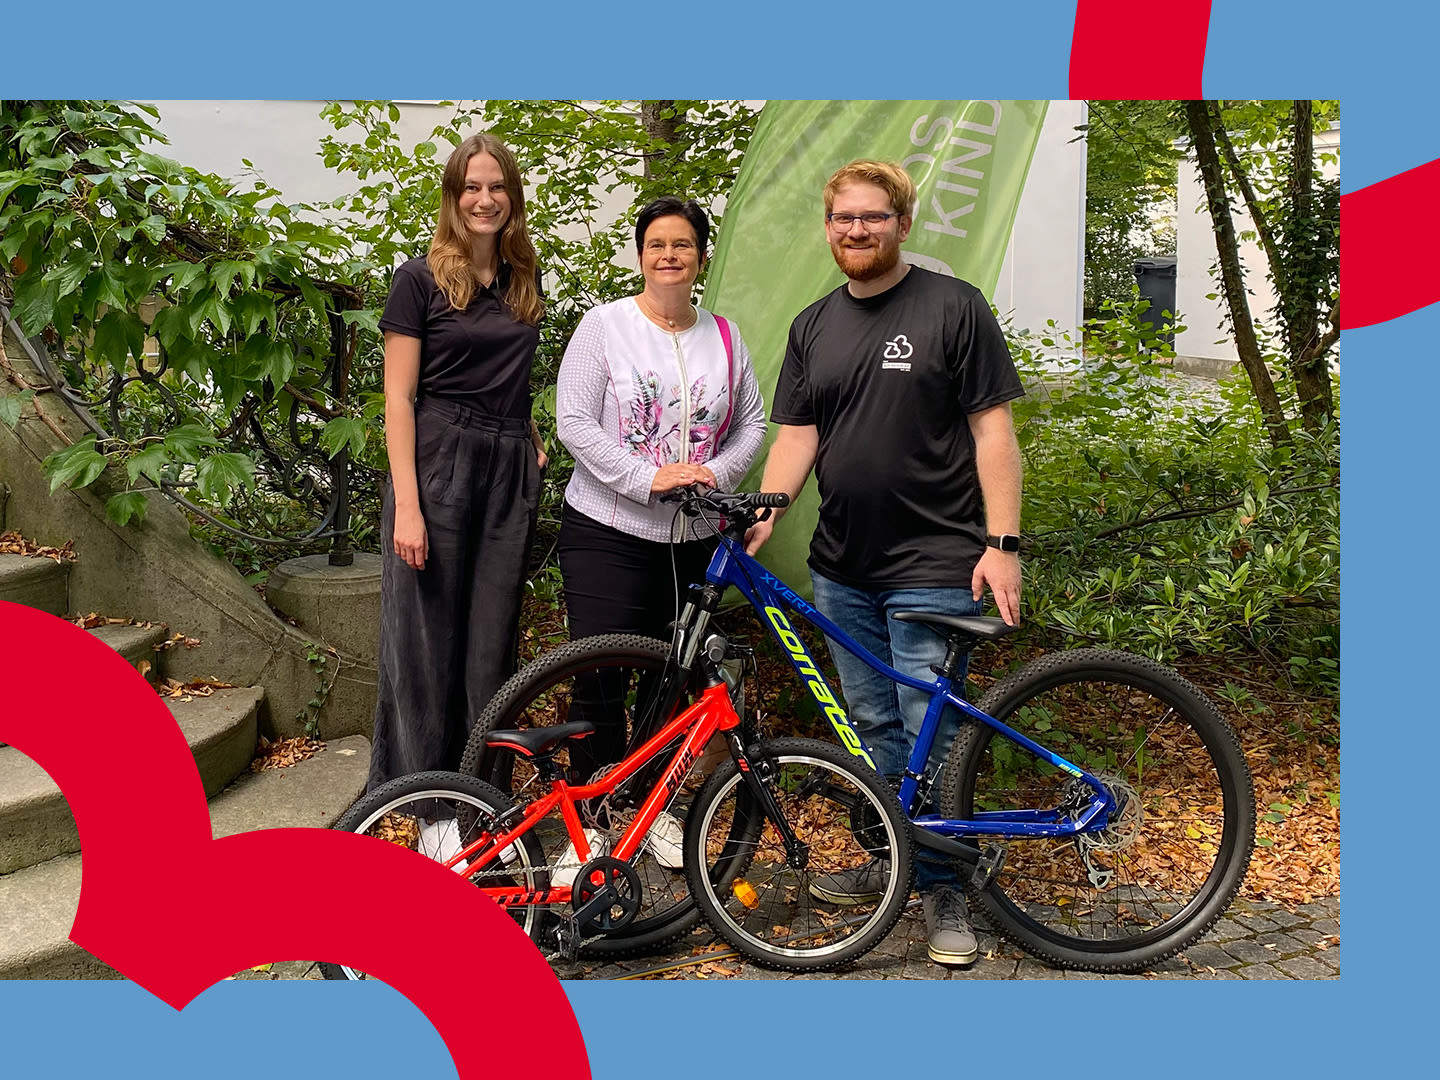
x=899 y=349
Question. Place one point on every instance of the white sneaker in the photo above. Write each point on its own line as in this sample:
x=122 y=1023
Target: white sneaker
x=664 y=839
x=440 y=840
x=569 y=865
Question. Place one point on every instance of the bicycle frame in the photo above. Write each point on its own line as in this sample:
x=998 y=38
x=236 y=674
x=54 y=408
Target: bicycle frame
x=711 y=713
x=771 y=597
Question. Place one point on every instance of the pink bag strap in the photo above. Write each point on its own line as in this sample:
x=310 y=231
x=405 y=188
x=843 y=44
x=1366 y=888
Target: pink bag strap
x=730 y=376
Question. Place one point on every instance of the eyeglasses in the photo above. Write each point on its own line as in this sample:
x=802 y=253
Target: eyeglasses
x=872 y=220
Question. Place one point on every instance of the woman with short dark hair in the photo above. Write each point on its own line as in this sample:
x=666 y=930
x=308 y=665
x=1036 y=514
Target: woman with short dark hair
x=654 y=394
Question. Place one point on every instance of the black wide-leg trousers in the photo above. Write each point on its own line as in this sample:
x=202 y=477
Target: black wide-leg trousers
x=448 y=633
x=616 y=583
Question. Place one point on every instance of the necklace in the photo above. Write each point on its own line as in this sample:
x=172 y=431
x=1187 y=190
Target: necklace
x=658 y=318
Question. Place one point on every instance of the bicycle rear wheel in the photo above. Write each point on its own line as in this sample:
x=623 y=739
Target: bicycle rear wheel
x=417 y=811
x=846 y=817
x=1165 y=869
x=619 y=677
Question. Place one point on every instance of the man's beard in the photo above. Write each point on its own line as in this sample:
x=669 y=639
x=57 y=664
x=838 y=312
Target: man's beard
x=867 y=264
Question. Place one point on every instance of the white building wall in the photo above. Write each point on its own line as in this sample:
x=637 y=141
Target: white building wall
x=1043 y=275
x=281 y=138
x=1041 y=278
x=1207 y=334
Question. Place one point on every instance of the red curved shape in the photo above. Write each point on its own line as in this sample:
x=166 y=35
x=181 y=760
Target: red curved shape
x=1130 y=49
x=1383 y=228
x=177 y=916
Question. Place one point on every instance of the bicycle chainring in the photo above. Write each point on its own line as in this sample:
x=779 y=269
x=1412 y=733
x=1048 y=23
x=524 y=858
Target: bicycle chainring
x=607 y=875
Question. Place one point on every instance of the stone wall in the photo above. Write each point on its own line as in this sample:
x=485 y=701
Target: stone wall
x=158 y=572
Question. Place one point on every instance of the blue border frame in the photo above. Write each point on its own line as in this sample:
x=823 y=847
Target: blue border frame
x=1377 y=57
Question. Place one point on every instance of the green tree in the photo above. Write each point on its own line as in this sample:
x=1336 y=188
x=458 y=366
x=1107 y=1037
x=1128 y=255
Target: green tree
x=264 y=314
x=1266 y=150
x=1130 y=177
x=202 y=330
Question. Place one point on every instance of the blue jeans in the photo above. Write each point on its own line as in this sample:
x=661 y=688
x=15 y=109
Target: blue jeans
x=887 y=715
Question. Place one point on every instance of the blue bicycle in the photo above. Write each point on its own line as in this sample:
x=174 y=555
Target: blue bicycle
x=1100 y=804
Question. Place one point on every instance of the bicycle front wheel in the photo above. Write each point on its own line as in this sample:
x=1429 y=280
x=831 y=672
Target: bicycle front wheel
x=615 y=678
x=1166 y=867
x=852 y=829
x=438 y=815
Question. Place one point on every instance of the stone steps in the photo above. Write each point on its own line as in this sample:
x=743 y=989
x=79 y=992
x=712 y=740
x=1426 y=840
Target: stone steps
x=136 y=644
x=37 y=904
x=35 y=822
x=35 y=582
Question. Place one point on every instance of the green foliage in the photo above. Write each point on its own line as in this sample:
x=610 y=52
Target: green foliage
x=76 y=465
x=213 y=303
x=12 y=405
x=572 y=154
x=204 y=307
x=341 y=433
x=318 y=657
x=1163 y=521
x=124 y=507
x=1131 y=164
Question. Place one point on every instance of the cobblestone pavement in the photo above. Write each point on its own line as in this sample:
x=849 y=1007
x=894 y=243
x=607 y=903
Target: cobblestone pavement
x=1251 y=941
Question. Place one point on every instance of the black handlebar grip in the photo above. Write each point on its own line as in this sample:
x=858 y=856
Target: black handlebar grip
x=772 y=498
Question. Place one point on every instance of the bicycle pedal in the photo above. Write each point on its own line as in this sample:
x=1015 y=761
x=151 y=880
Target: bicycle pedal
x=567 y=941
x=986 y=867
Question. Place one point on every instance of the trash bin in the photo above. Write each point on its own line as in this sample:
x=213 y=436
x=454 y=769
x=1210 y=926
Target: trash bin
x=1156 y=278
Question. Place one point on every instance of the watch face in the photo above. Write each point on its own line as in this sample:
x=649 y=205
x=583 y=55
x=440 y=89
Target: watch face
x=1007 y=542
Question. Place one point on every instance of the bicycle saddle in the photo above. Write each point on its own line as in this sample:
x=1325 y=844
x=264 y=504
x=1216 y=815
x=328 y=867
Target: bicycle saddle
x=537 y=741
x=984 y=627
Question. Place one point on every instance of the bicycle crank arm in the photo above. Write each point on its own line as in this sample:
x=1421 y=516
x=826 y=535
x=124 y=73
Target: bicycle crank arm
x=984 y=864
x=596 y=905
x=965 y=852
x=797 y=854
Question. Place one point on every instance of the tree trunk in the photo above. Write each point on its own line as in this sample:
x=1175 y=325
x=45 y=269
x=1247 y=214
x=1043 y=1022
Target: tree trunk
x=662 y=121
x=1232 y=279
x=1302 y=306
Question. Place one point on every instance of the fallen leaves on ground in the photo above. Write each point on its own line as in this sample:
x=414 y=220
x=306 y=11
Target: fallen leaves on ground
x=189 y=691
x=12 y=543
x=94 y=619
x=283 y=753
x=1289 y=741
x=178 y=639
x=699 y=968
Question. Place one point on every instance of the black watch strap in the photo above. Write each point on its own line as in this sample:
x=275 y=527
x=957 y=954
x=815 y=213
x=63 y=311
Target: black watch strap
x=1005 y=542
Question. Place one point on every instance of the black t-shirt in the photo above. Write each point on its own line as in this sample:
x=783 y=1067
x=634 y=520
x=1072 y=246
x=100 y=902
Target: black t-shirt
x=479 y=357
x=888 y=381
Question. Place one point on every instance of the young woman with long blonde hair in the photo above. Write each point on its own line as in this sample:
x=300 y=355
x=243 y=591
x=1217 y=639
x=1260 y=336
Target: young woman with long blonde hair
x=461 y=330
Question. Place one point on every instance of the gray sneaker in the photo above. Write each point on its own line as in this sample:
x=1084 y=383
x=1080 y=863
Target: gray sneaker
x=859 y=886
x=947 y=927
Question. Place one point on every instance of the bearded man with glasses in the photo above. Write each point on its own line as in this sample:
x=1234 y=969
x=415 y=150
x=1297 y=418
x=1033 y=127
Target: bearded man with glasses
x=896 y=390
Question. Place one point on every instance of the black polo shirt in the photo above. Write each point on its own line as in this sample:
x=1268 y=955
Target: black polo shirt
x=478 y=357
x=889 y=381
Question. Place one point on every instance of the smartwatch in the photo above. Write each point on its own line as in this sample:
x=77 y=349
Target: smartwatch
x=1005 y=542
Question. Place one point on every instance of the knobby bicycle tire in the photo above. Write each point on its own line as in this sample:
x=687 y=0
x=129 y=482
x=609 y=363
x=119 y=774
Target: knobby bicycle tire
x=845 y=814
x=394 y=811
x=1175 y=858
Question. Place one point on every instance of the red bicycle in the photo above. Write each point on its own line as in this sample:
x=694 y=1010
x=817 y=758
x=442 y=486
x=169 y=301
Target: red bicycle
x=769 y=820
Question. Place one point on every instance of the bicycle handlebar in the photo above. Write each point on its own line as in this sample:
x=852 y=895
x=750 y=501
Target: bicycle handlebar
x=740 y=509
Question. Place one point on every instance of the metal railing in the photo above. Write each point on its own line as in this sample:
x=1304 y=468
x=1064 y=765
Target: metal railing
x=289 y=459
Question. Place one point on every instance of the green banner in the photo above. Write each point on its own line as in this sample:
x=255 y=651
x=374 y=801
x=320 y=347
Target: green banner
x=968 y=160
